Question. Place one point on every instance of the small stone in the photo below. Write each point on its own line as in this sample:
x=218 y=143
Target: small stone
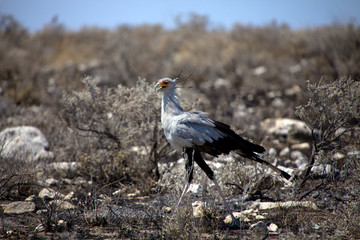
x=195 y=189
x=322 y=169
x=166 y=209
x=316 y=226
x=198 y=209
x=298 y=155
x=277 y=103
x=41 y=211
x=272 y=152
x=51 y=182
x=30 y=198
x=69 y=196
x=259 y=217
x=285 y=205
x=273 y=227
x=259 y=229
x=64 y=167
x=61 y=223
x=239 y=216
x=285 y=152
x=40 y=228
x=117 y=193
x=301 y=146
x=339 y=156
x=19 y=207
x=48 y=193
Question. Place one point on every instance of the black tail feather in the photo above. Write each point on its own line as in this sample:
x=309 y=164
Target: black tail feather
x=281 y=172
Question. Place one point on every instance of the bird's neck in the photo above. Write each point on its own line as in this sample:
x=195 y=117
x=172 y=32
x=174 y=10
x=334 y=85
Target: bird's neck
x=170 y=103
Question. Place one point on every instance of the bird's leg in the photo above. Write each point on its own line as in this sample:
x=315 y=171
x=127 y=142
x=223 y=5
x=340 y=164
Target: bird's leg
x=209 y=172
x=189 y=167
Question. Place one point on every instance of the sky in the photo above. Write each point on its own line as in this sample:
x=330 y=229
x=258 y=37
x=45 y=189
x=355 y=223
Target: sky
x=75 y=14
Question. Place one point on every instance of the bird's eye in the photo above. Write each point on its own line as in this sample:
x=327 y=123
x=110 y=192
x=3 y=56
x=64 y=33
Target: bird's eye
x=166 y=82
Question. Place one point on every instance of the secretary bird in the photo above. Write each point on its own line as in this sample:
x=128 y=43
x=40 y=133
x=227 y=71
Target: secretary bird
x=193 y=133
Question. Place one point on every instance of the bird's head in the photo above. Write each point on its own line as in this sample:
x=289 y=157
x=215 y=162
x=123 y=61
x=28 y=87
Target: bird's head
x=164 y=84
x=170 y=84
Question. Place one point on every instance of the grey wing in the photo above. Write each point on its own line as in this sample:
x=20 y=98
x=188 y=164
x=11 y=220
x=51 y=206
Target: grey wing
x=197 y=128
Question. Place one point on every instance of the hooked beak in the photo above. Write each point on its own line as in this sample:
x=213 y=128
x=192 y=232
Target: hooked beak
x=157 y=87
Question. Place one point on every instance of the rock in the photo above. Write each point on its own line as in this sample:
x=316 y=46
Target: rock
x=24 y=143
x=259 y=70
x=273 y=227
x=238 y=215
x=322 y=170
x=64 y=167
x=198 y=209
x=339 y=156
x=294 y=131
x=301 y=146
x=166 y=209
x=259 y=217
x=259 y=229
x=222 y=83
x=19 y=207
x=40 y=228
x=242 y=216
x=288 y=204
x=60 y=205
x=69 y=196
x=277 y=103
x=30 y=198
x=117 y=193
x=48 y=193
x=297 y=155
x=285 y=152
x=51 y=182
x=272 y=152
x=195 y=189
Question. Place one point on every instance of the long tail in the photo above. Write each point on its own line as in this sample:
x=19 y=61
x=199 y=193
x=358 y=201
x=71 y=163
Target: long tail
x=256 y=158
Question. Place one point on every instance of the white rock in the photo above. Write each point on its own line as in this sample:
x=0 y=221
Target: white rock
x=272 y=152
x=195 y=189
x=259 y=217
x=285 y=152
x=51 y=182
x=273 y=227
x=301 y=146
x=48 y=193
x=19 y=207
x=278 y=103
x=295 y=155
x=339 y=156
x=220 y=82
x=24 y=143
x=64 y=166
x=117 y=192
x=294 y=130
x=198 y=209
x=260 y=70
x=238 y=215
x=322 y=169
x=288 y=204
x=40 y=228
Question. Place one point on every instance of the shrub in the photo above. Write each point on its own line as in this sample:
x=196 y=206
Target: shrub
x=120 y=131
x=332 y=114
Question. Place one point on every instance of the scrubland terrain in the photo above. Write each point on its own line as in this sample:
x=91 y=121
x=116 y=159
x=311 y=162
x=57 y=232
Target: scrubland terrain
x=101 y=168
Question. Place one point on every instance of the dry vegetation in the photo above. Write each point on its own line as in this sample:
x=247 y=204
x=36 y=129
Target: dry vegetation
x=91 y=93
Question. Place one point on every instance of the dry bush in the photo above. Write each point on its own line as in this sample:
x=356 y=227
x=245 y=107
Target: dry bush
x=120 y=131
x=332 y=114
